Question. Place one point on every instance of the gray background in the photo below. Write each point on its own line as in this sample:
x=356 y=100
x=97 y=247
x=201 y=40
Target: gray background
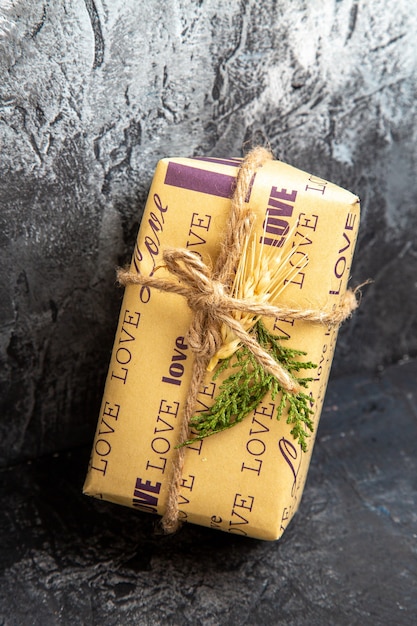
x=93 y=93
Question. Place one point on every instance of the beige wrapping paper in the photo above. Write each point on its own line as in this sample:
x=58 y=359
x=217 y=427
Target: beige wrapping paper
x=247 y=480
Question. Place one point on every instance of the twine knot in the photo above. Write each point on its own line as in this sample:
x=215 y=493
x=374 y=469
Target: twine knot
x=203 y=293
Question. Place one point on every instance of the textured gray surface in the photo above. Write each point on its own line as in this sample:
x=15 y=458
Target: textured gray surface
x=348 y=557
x=93 y=93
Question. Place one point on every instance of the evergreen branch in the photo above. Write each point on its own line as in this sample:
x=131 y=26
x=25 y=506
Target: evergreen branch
x=246 y=386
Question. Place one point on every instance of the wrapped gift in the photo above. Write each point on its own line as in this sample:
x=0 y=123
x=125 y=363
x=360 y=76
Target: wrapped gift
x=246 y=479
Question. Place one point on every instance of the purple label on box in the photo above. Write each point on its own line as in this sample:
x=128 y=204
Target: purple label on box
x=195 y=179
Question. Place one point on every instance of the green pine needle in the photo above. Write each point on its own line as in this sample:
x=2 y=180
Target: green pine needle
x=243 y=390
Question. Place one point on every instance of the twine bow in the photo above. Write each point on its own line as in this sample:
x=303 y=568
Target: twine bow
x=207 y=292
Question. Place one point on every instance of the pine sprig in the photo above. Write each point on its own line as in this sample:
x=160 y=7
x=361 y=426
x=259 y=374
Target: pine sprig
x=243 y=390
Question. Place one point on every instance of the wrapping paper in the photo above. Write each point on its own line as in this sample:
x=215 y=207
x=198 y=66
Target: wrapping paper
x=249 y=479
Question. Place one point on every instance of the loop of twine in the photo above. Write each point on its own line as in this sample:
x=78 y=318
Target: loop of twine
x=207 y=292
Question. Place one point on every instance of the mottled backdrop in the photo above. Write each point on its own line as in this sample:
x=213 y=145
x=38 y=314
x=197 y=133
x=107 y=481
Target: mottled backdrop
x=94 y=92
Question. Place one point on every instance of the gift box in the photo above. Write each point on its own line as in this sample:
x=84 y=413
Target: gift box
x=247 y=479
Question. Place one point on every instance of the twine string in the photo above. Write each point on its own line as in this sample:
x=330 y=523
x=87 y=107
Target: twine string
x=207 y=292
